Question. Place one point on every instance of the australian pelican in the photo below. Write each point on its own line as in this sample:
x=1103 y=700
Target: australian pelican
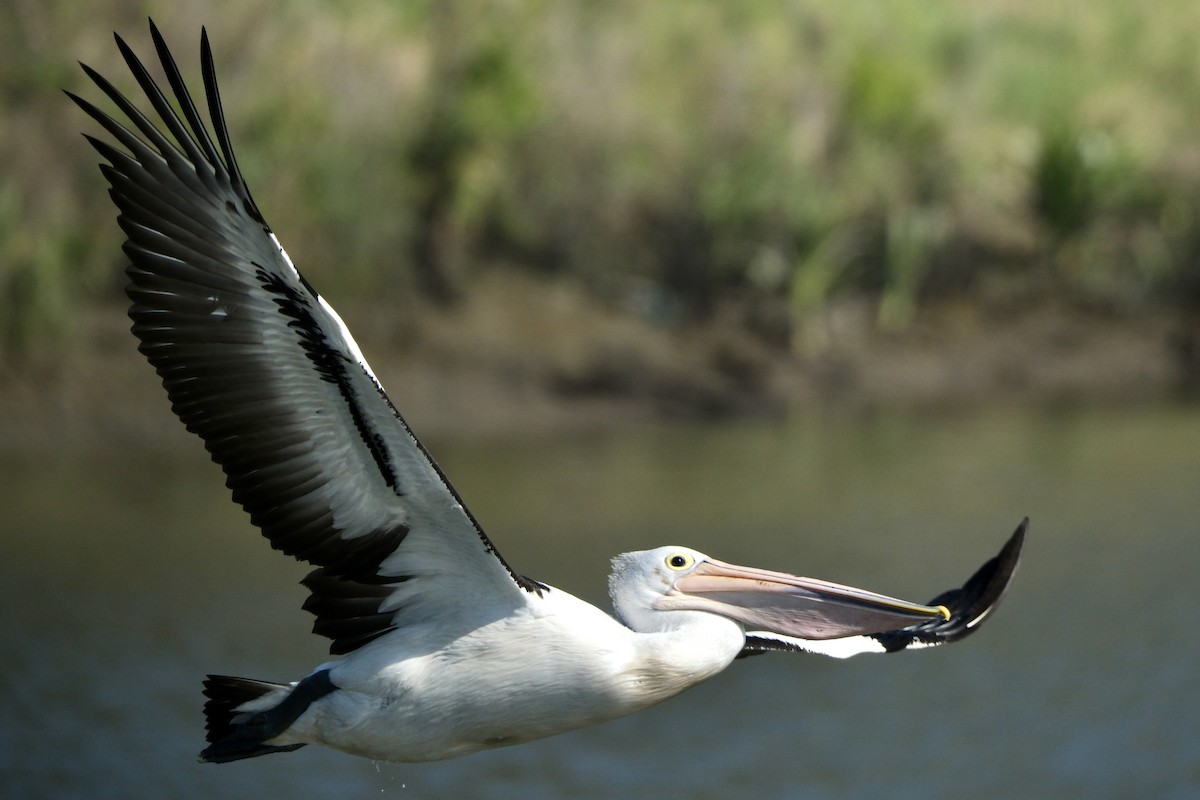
x=440 y=648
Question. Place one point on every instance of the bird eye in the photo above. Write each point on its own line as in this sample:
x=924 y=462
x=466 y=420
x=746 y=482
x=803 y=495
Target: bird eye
x=679 y=561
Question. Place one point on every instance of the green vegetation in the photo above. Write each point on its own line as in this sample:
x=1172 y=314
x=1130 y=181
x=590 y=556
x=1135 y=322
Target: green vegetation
x=689 y=155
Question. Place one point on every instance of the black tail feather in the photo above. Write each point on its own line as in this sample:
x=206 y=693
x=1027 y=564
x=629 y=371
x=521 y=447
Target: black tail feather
x=234 y=734
x=224 y=695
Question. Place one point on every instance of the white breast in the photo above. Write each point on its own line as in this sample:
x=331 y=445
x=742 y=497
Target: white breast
x=557 y=665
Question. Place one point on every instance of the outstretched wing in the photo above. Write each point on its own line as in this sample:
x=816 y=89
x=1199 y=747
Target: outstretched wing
x=969 y=606
x=260 y=367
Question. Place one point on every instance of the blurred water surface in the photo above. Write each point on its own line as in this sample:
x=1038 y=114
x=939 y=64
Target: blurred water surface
x=126 y=576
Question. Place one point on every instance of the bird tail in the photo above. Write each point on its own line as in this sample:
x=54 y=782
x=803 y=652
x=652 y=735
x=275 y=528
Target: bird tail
x=236 y=732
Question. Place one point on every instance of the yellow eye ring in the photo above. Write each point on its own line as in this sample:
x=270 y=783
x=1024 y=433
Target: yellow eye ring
x=679 y=561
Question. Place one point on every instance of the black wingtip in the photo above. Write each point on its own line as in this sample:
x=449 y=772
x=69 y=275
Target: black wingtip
x=1004 y=566
x=970 y=604
x=160 y=44
x=122 y=45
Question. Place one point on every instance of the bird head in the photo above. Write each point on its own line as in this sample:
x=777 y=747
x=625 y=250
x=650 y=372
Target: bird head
x=648 y=585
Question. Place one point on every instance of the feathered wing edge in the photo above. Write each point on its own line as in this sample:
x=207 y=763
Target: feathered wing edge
x=265 y=372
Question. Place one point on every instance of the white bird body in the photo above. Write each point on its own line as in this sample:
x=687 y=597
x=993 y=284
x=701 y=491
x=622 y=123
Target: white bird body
x=441 y=647
x=556 y=664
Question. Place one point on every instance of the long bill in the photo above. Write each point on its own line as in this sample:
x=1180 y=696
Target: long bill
x=805 y=608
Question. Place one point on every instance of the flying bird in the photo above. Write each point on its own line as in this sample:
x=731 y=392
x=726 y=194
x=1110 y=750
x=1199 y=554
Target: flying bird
x=440 y=648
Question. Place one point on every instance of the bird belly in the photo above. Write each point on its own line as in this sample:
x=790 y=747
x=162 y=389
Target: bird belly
x=506 y=683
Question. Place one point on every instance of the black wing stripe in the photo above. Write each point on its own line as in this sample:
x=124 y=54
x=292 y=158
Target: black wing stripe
x=330 y=364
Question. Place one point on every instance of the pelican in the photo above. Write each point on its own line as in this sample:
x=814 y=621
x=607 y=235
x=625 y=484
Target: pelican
x=440 y=648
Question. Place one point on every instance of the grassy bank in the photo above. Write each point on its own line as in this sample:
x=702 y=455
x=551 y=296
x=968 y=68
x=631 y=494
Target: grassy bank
x=677 y=161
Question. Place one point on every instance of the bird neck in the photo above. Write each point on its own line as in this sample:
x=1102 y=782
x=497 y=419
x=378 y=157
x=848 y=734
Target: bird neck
x=695 y=645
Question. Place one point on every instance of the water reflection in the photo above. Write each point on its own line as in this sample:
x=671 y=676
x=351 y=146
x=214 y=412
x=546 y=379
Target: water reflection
x=127 y=576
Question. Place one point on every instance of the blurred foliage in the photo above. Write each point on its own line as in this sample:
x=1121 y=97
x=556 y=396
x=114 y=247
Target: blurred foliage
x=672 y=156
x=1064 y=184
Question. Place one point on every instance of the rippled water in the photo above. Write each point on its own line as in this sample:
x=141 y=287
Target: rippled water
x=125 y=577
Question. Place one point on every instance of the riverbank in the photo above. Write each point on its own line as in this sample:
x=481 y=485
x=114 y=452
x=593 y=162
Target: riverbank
x=524 y=356
x=809 y=151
